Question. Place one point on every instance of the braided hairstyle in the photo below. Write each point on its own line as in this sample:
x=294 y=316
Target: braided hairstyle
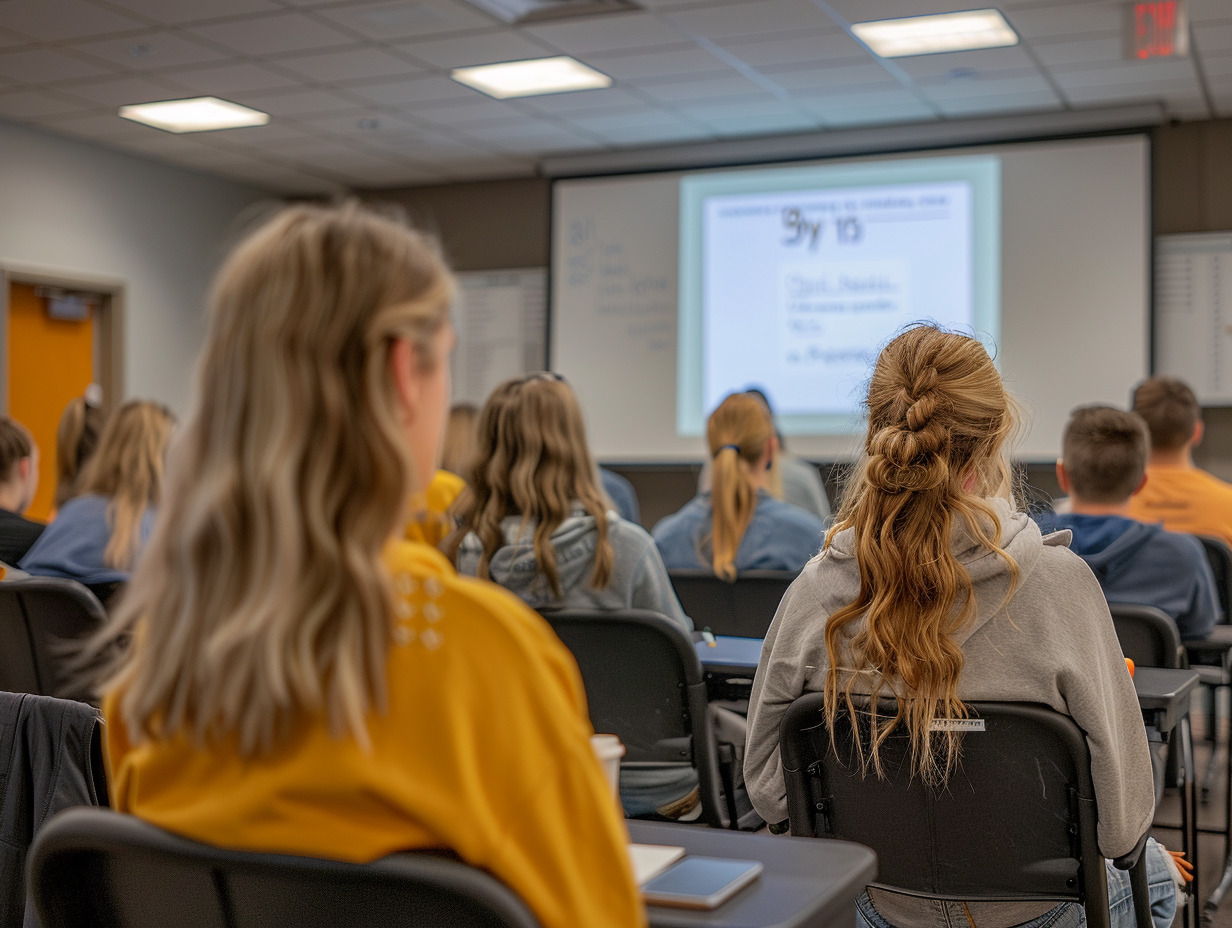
x=939 y=420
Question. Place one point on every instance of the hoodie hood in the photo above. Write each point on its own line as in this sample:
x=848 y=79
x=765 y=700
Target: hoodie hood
x=1019 y=537
x=515 y=566
x=1109 y=544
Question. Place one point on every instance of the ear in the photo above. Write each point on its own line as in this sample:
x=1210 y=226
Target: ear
x=23 y=468
x=403 y=367
x=1063 y=477
x=1141 y=484
x=1199 y=431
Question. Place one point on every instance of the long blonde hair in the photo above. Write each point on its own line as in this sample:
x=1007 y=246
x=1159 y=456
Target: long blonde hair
x=76 y=439
x=532 y=460
x=461 y=437
x=127 y=468
x=261 y=598
x=738 y=433
x=939 y=420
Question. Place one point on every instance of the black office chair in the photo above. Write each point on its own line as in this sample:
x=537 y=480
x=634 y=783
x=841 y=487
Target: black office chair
x=1026 y=774
x=744 y=608
x=90 y=868
x=644 y=683
x=1148 y=636
x=43 y=621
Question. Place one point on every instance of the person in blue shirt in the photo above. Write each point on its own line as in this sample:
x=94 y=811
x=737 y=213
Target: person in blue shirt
x=620 y=491
x=1103 y=465
x=738 y=525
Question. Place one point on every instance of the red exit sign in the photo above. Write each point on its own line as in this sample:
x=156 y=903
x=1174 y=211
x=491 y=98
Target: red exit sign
x=1156 y=30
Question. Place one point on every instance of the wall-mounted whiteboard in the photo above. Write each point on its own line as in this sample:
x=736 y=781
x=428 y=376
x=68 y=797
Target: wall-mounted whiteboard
x=1073 y=257
x=1193 y=313
x=501 y=320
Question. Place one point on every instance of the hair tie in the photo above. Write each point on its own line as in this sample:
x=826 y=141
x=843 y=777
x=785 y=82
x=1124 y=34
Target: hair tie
x=722 y=448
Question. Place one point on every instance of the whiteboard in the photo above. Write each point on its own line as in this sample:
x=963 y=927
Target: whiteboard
x=1075 y=296
x=501 y=321
x=1193 y=313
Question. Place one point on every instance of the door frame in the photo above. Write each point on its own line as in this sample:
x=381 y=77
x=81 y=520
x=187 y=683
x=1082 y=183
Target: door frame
x=109 y=320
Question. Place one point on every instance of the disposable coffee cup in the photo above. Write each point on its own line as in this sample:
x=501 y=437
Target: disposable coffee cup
x=609 y=749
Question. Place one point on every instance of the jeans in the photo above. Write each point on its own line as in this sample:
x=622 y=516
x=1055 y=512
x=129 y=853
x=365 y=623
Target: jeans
x=1160 y=887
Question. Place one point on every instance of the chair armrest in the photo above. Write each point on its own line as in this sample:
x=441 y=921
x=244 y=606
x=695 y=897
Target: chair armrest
x=1128 y=860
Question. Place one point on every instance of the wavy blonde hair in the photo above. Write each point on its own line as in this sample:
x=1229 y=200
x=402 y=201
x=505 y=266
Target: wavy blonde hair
x=738 y=433
x=532 y=460
x=127 y=468
x=939 y=421
x=461 y=437
x=261 y=597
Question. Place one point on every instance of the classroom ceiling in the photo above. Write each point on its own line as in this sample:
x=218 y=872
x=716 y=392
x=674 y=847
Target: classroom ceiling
x=360 y=94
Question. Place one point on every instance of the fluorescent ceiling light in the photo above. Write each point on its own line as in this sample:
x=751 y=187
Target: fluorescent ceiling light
x=527 y=78
x=199 y=114
x=946 y=32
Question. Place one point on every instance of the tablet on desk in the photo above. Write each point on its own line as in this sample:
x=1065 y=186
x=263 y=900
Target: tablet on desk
x=700 y=882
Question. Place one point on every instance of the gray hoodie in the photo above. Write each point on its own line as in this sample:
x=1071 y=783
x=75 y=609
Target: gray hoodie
x=639 y=579
x=1053 y=644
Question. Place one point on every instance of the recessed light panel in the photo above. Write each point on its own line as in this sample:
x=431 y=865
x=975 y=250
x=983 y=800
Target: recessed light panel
x=199 y=114
x=528 y=78
x=946 y=32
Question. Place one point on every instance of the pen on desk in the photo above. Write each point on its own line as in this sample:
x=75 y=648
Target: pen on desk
x=708 y=637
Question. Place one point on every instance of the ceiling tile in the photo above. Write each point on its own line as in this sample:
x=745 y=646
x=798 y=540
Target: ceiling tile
x=1125 y=73
x=226 y=79
x=984 y=60
x=101 y=126
x=607 y=33
x=767 y=124
x=1065 y=19
x=349 y=65
x=277 y=132
x=151 y=50
x=847 y=117
x=1213 y=38
x=1088 y=95
x=46 y=65
x=57 y=20
x=1086 y=50
x=843 y=99
x=701 y=88
x=491 y=168
x=185 y=11
x=471 y=111
x=284 y=180
x=749 y=18
x=300 y=101
x=657 y=135
x=429 y=89
x=334 y=156
x=634 y=118
x=476 y=48
x=123 y=91
x=986 y=88
x=388 y=21
x=960 y=107
x=862 y=11
x=589 y=101
x=812 y=48
x=684 y=59
x=1217 y=66
x=807 y=79
x=739 y=106
x=33 y=104
x=525 y=135
x=268 y=35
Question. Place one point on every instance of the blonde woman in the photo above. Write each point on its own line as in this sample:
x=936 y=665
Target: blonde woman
x=934 y=588
x=301 y=679
x=97 y=535
x=738 y=525
x=77 y=435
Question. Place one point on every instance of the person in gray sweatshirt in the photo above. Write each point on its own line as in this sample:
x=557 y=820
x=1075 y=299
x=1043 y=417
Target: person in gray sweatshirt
x=931 y=575
x=535 y=520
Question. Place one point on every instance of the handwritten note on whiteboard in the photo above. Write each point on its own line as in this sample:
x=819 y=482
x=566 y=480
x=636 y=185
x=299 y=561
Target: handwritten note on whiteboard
x=1193 y=313
x=501 y=318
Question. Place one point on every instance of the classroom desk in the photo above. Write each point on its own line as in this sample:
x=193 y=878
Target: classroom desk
x=807 y=883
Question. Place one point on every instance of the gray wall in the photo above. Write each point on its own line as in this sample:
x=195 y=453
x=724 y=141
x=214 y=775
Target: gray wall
x=80 y=209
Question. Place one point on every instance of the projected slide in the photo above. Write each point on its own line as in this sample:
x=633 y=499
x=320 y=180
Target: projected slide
x=792 y=280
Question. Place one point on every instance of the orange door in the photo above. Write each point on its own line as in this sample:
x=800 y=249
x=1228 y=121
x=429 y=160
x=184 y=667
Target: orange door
x=50 y=361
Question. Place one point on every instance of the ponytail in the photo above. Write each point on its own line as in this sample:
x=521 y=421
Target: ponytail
x=739 y=432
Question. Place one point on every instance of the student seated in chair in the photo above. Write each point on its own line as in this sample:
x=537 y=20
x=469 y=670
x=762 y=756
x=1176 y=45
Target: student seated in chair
x=19 y=472
x=934 y=588
x=1103 y=465
x=302 y=680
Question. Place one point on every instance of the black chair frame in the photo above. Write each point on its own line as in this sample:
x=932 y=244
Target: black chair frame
x=743 y=608
x=43 y=621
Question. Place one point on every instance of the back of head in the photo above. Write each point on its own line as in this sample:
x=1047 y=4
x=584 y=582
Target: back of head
x=939 y=420
x=77 y=436
x=261 y=596
x=15 y=445
x=738 y=433
x=532 y=460
x=1104 y=452
x=1170 y=409
x=458 y=448
x=127 y=468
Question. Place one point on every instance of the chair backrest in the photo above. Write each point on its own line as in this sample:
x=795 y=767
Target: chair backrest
x=1148 y=636
x=744 y=608
x=1025 y=773
x=644 y=682
x=42 y=623
x=96 y=869
x=1220 y=556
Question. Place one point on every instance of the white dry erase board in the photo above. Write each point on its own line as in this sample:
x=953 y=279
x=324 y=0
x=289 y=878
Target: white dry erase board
x=1193 y=313
x=501 y=321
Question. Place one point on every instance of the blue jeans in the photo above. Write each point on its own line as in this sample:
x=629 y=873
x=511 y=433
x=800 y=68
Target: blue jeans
x=1160 y=887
